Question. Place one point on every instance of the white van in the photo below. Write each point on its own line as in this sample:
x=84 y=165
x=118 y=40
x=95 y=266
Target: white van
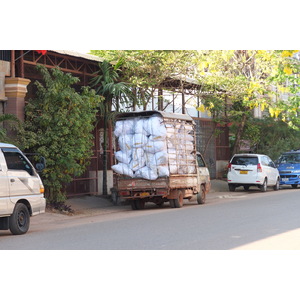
x=252 y=170
x=21 y=190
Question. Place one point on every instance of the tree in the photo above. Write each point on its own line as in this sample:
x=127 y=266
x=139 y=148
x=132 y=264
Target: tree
x=10 y=121
x=58 y=126
x=234 y=82
x=149 y=70
x=107 y=85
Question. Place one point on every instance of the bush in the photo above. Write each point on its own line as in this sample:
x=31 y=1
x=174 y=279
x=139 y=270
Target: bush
x=59 y=124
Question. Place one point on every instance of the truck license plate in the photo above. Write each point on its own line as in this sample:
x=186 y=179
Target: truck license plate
x=144 y=194
x=243 y=172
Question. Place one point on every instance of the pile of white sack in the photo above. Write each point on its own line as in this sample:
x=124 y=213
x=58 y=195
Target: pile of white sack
x=150 y=149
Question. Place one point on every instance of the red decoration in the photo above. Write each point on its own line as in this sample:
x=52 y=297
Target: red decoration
x=43 y=52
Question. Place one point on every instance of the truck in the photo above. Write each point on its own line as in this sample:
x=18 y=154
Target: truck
x=21 y=190
x=288 y=165
x=161 y=164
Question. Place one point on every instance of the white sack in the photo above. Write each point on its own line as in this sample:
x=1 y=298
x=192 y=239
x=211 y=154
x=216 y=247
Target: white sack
x=123 y=127
x=163 y=171
x=123 y=169
x=123 y=157
x=138 y=159
x=160 y=158
x=125 y=142
x=155 y=146
x=139 y=140
x=155 y=126
x=146 y=173
x=139 y=126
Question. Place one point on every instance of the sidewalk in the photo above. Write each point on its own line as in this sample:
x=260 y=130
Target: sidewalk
x=96 y=205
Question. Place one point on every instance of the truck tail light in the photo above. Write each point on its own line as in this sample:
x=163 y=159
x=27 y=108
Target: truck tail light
x=229 y=167
x=259 y=168
x=124 y=193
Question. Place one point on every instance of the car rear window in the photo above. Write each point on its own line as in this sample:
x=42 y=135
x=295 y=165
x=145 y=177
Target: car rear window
x=244 y=160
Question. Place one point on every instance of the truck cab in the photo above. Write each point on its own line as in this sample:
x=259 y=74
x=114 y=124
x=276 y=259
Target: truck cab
x=21 y=190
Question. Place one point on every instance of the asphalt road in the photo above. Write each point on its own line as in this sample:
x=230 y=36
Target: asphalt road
x=253 y=220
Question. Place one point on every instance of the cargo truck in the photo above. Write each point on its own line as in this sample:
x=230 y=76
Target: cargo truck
x=157 y=160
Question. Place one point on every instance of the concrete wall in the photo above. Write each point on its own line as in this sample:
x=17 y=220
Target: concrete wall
x=100 y=182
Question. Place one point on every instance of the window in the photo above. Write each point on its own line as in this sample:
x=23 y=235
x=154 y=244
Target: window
x=245 y=160
x=200 y=161
x=16 y=161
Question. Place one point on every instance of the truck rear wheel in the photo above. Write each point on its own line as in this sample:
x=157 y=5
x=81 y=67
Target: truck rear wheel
x=201 y=196
x=172 y=203
x=19 y=221
x=140 y=204
x=179 y=200
x=137 y=204
x=133 y=205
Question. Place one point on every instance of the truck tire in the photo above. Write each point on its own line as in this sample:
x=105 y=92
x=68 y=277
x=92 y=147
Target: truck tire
x=133 y=205
x=172 y=203
x=179 y=200
x=19 y=221
x=140 y=204
x=201 y=196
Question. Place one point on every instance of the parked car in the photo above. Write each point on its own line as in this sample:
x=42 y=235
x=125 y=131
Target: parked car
x=288 y=166
x=252 y=170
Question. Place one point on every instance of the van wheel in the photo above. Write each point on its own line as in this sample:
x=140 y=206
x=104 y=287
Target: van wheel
x=179 y=200
x=201 y=196
x=19 y=221
x=231 y=187
x=276 y=186
x=263 y=187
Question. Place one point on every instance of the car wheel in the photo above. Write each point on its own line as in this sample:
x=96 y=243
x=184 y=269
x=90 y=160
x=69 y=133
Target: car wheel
x=276 y=186
x=231 y=187
x=20 y=219
x=263 y=187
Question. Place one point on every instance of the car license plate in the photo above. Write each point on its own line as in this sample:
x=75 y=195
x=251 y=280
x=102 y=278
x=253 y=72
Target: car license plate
x=284 y=179
x=243 y=172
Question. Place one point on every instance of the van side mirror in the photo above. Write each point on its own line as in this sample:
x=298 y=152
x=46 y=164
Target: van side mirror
x=41 y=165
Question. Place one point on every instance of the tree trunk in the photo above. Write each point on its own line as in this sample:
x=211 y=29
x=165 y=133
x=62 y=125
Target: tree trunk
x=104 y=182
x=239 y=134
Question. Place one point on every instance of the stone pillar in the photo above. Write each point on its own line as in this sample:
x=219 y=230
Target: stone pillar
x=15 y=92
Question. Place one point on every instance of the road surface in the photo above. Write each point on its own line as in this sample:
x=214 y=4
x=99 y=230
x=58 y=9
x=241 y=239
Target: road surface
x=253 y=220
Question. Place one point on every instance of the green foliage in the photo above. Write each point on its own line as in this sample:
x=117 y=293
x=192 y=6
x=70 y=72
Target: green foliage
x=59 y=124
x=147 y=70
x=12 y=122
x=276 y=137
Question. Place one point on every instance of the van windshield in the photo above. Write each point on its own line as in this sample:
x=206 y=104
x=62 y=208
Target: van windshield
x=244 y=160
x=289 y=158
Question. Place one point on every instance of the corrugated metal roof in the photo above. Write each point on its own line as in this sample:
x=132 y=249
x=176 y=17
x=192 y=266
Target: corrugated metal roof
x=78 y=54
